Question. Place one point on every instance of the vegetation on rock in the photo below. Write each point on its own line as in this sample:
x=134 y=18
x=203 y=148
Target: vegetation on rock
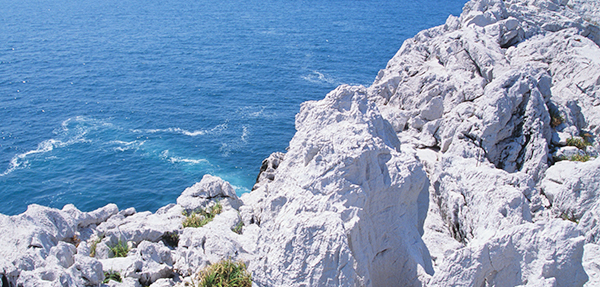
x=225 y=273
x=201 y=217
x=120 y=249
x=111 y=275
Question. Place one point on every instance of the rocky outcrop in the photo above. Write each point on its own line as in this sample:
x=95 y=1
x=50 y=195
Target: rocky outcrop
x=50 y=247
x=470 y=161
x=484 y=98
x=345 y=203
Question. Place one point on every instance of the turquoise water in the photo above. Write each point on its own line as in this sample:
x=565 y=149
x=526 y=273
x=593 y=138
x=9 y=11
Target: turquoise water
x=133 y=101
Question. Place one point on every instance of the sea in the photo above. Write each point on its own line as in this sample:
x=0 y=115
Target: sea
x=132 y=101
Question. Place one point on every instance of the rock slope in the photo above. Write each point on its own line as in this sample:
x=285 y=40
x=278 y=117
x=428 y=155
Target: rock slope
x=470 y=161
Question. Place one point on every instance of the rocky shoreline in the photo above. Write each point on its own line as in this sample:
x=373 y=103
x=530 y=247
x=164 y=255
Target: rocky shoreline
x=472 y=160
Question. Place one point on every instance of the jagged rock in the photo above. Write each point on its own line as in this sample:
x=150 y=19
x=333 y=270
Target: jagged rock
x=509 y=259
x=479 y=91
x=199 y=247
x=209 y=189
x=87 y=271
x=347 y=204
x=137 y=227
x=573 y=190
x=163 y=282
x=38 y=248
x=267 y=169
x=146 y=263
x=591 y=263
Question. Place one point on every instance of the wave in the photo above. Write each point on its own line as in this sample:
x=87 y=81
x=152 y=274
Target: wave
x=216 y=129
x=245 y=133
x=240 y=189
x=20 y=160
x=124 y=146
x=176 y=159
x=320 y=78
x=71 y=131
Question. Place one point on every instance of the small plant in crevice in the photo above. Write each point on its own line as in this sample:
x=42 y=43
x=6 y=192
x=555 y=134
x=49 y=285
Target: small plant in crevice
x=74 y=240
x=225 y=273
x=238 y=227
x=201 y=217
x=577 y=157
x=580 y=143
x=570 y=216
x=170 y=238
x=120 y=249
x=95 y=244
x=555 y=118
x=112 y=275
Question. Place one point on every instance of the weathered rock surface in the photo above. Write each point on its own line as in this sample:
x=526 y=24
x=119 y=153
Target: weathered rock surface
x=345 y=203
x=457 y=167
x=493 y=96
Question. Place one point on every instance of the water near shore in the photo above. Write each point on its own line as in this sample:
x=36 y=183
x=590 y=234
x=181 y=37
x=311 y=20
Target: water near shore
x=132 y=101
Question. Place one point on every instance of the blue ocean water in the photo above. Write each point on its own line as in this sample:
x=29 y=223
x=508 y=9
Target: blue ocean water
x=132 y=101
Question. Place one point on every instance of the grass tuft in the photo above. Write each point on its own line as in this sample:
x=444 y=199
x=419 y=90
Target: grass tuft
x=238 y=227
x=111 y=275
x=225 y=273
x=579 y=157
x=94 y=245
x=201 y=217
x=569 y=216
x=120 y=249
x=578 y=142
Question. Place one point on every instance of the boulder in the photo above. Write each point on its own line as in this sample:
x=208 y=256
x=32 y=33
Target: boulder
x=209 y=189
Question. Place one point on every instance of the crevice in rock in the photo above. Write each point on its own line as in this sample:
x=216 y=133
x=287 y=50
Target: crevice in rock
x=477 y=68
x=511 y=42
x=457 y=233
x=521 y=155
x=516 y=142
x=5 y=281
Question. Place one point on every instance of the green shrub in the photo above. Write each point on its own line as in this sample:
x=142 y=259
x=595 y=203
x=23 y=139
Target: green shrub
x=111 y=275
x=201 y=217
x=225 y=273
x=120 y=249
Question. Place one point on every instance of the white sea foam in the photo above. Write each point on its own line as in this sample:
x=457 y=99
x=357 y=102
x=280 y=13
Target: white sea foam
x=217 y=128
x=245 y=133
x=20 y=160
x=176 y=159
x=71 y=131
x=123 y=145
x=320 y=78
x=187 y=160
x=240 y=189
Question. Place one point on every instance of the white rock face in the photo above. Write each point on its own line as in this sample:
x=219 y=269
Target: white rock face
x=345 y=203
x=480 y=91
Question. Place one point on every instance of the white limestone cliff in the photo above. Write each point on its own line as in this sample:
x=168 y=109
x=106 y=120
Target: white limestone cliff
x=456 y=167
